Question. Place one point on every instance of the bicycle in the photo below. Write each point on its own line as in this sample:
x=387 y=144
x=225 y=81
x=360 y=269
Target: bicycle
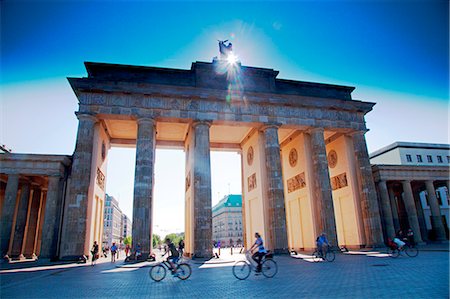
x=410 y=250
x=329 y=255
x=158 y=271
x=242 y=269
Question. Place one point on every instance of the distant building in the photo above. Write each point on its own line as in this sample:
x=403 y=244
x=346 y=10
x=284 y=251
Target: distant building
x=412 y=153
x=112 y=229
x=413 y=178
x=126 y=226
x=227 y=221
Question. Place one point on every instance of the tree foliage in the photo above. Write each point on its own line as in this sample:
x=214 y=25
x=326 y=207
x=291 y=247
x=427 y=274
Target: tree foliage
x=175 y=238
x=156 y=240
x=127 y=240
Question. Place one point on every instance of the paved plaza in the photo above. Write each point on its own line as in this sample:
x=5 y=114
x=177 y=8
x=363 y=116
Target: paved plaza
x=349 y=276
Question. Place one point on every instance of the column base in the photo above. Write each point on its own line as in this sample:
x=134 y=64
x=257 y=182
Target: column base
x=437 y=228
x=281 y=251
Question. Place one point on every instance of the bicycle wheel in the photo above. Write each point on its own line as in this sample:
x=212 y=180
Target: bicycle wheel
x=241 y=270
x=316 y=257
x=393 y=252
x=157 y=273
x=269 y=268
x=330 y=256
x=411 y=251
x=184 y=271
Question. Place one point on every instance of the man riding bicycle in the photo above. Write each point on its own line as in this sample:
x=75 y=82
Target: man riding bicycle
x=257 y=256
x=322 y=244
x=173 y=255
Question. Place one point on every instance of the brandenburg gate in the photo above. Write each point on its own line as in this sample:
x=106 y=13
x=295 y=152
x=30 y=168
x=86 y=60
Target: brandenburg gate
x=305 y=166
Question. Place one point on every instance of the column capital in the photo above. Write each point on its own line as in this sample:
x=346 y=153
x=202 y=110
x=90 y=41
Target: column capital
x=315 y=130
x=143 y=120
x=272 y=125
x=201 y=122
x=86 y=116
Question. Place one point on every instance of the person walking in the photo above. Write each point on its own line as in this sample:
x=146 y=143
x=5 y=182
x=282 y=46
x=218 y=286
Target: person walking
x=127 y=250
x=94 y=252
x=113 y=252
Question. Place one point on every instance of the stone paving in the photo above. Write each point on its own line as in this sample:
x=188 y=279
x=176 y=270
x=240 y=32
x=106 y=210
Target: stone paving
x=349 y=276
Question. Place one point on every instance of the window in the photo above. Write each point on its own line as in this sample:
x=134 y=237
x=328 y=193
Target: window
x=430 y=158
x=439 y=158
x=419 y=158
x=408 y=158
x=448 y=159
x=438 y=196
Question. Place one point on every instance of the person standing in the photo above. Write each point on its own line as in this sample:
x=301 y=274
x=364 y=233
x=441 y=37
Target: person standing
x=127 y=250
x=410 y=237
x=181 y=247
x=113 y=253
x=94 y=252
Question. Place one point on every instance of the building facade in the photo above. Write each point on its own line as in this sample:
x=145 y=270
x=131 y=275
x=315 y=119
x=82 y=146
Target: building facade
x=413 y=182
x=126 y=226
x=227 y=221
x=32 y=192
x=112 y=229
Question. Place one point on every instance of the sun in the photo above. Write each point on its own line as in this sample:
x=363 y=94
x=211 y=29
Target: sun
x=231 y=58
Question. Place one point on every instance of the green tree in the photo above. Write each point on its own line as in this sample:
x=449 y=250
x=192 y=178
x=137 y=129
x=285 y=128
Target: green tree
x=156 y=240
x=127 y=240
x=175 y=238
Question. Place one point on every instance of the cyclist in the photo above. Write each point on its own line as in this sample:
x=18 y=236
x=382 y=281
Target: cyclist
x=173 y=255
x=322 y=244
x=258 y=255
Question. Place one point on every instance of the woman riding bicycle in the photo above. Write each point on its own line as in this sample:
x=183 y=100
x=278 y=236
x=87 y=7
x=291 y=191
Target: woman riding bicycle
x=257 y=256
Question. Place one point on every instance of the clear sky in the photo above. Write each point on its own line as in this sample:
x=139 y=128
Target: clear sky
x=396 y=53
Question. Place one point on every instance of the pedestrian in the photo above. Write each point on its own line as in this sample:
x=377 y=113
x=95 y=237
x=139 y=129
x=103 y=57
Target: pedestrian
x=181 y=247
x=410 y=236
x=137 y=252
x=127 y=249
x=113 y=252
x=94 y=252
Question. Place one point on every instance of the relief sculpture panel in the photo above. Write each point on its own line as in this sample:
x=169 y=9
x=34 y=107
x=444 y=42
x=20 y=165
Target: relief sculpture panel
x=296 y=183
x=339 y=181
x=251 y=181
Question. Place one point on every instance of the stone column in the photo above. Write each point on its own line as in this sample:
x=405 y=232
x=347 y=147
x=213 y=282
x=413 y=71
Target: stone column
x=202 y=191
x=52 y=216
x=143 y=186
x=393 y=201
x=32 y=224
x=8 y=210
x=74 y=235
x=410 y=208
x=322 y=187
x=368 y=195
x=436 y=220
x=386 y=209
x=420 y=215
x=275 y=192
x=21 y=220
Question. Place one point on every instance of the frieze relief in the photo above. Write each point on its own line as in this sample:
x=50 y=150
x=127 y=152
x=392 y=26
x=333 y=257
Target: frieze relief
x=339 y=181
x=297 y=182
x=251 y=181
x=192 y=106
x=100 y=179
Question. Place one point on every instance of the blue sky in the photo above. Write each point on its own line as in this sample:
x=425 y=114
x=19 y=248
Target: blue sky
x=394 y=52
